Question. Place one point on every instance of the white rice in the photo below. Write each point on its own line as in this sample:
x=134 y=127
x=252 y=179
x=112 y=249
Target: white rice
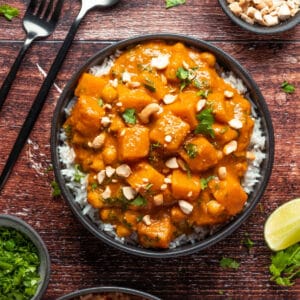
x=79 y=189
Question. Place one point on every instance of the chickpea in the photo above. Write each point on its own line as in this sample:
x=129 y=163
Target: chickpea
x=209 y=58
x=214 y=208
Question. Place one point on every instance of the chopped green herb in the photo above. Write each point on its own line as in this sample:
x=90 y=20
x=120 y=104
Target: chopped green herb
x=78 y=173
x=49 y=169
x=206 y=120
x=227 y=262
x=94 y=185
x=149 y=85
x=172 y=3
x=203 y=93
x=288 y=88
x=139 y=201
x=139 y=219
x=191 y=150
x=247 y=242
x=68 y=129
x=100 y=102
x=183 y=75
x=285 y=266
x=148 y=186
x=129 y=116
x=55 y=189
x=204 y=182
x=155 y=145
x=19 y=266
x=8 y=12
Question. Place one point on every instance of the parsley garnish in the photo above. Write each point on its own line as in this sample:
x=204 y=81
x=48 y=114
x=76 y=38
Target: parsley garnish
x=8 y=12
x=55 y=189
x=78 y=174
x=172 y=3
x=227 y=262
x=19 y=265
x=139 y=201
x=287 y=87
x=285 y=266
x=191 y=150
x=206 y=119
x=129 y=116
x=183 y=75
x=204 y=182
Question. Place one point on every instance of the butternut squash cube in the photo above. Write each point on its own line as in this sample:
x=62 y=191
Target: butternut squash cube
x=86 y=116
x=144 y=171
x=205 y=155
x=90 y=85
x=169 y=131
x=223 y=110
x=133 y=143
x=185 y=108
x=156 y=235
x=137 y=98
x=223 y=133
x=185 y=186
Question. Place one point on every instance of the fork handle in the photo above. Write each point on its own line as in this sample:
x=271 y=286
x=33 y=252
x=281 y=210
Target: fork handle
x=13 y=71
x=39 y=102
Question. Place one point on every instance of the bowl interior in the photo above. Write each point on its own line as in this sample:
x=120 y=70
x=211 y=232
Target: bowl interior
x=110 y=289
x=27 y=230
x=258 y=102
x=260 y=29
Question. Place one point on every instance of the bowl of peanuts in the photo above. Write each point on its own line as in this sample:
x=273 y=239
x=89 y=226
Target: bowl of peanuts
x=162 y=145
x=263 y=16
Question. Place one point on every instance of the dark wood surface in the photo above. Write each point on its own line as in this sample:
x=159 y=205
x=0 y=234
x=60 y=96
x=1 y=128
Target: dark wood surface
x=78 y=259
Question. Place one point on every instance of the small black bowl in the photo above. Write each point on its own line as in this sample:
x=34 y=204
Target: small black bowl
x=135 y=294
x=44 y=270
x=257 y=28
x=255 y=96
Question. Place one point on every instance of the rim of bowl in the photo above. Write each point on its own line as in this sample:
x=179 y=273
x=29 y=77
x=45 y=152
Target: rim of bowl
x=257 y=100
x=260 y=29
x=44 y=269
x=108 y=289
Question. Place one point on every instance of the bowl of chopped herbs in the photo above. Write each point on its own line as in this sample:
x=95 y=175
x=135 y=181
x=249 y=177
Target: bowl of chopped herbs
x=24 y=261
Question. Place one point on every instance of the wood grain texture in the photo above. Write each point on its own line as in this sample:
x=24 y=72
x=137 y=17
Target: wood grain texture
x=79 y=260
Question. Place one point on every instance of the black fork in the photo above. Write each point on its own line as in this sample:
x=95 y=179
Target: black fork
x=39 y=21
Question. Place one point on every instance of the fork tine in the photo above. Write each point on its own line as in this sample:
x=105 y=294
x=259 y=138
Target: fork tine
x=57 y=10
x=41 y=8
x=31 y=6
x=49 y=9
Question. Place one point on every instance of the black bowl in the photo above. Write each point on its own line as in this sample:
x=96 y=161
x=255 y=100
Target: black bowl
x=258 y=102
x=257 y=28
x=110 y=289
x=44 y=270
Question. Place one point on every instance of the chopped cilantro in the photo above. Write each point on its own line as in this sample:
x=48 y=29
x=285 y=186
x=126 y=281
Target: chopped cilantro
x=285 y=266
x=19 y=265
x=78 y=174
x=191 y=150
x=155 y=145
x=288 y=88
x=183 y=75
x=94 y=185
x=148 y=186
x=203 y=93
x=204 y=182
x=172 y=3
x=55 y=189
x=149 y=85
x=100 y=102
x=8 y=12
x=129 y=116
x=139 y=201
x=230 y=263
x=247 y=242
x=206 y=120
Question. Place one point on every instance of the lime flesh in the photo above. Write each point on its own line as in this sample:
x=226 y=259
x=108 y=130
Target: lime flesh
x=282 y=228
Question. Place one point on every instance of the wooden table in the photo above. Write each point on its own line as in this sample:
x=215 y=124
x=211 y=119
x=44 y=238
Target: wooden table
x=79 y=260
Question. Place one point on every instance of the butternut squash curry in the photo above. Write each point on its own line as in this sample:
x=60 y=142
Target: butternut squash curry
x=164 y=141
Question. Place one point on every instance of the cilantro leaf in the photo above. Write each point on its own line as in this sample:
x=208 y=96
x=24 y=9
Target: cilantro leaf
x=191 y=150
x=139 y=201
x=172 y=3
x=55 y=189
x=206 y=120
x=227 y=262
x=285 y=266
x=204 y=182
x=129 y=116
x=8 y=12
x=287 y=87
x=78 y=174
x=149 y=85
x=247 y=242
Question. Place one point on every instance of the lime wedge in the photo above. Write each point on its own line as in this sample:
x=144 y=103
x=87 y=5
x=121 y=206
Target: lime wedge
x=282 y=228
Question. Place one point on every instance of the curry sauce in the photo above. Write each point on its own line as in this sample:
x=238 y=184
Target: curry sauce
x=164 y=141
